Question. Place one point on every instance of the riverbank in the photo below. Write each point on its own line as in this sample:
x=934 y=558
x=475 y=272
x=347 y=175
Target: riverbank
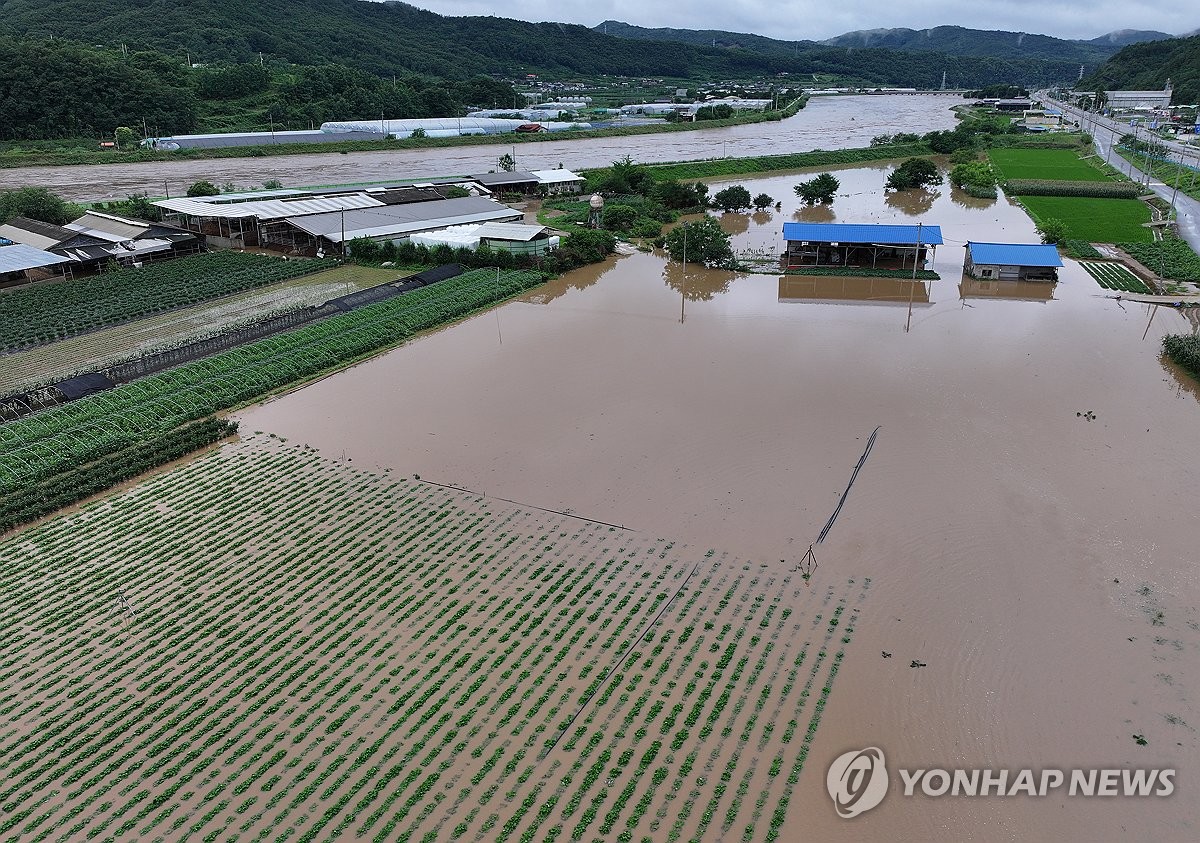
x=16 y=157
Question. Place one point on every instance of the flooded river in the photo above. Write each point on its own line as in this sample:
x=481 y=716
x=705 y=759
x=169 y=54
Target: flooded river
x=1041 y=565
x=826 y=123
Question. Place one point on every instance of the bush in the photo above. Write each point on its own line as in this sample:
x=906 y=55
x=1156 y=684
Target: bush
x=1184 y=349
x=913 y=174
x=620 y=217
x=733 y=198
x=203 y=188
x=821 y=188
x=1053 y=230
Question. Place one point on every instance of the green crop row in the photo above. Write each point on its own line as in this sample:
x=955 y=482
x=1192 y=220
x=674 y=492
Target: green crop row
x=1086 y=189
x=1171 y=258
x=52 y=441
x=1112 y=276
x=47 y=312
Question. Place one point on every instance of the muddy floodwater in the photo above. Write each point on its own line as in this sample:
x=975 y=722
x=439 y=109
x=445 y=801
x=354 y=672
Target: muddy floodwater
x=825 y=123
x=1041 y=565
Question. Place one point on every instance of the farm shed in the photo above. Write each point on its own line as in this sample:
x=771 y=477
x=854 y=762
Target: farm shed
x=237 y=224
x=554 y=182
x=862 y=246
x=20 y=263
x=311 y=233
x=1012 y=262
x=509 y=182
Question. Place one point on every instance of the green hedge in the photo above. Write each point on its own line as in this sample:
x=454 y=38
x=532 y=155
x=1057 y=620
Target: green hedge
x=1086 y=189
x=1184 y=349
x=39 y=499
x=902 y=274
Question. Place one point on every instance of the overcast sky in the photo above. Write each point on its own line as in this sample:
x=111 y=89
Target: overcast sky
x=817 y=19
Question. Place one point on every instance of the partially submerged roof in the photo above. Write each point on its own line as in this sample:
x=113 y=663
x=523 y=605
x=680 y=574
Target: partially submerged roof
x=1014 y=254
x=883 y=235
x=401 y=220
x=19 y=257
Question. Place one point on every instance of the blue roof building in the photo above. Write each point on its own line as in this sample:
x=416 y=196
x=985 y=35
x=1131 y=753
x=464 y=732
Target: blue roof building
x=862 y=246
x=1012 y=261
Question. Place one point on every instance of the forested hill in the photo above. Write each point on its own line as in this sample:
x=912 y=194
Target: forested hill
x=384 y=38
x=949 y=40
x=1147 y=67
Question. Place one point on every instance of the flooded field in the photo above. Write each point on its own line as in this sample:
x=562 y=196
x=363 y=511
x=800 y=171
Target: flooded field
x=1039 y=564
x=826 y=123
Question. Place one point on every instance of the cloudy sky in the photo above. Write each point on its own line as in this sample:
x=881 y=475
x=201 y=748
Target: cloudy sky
x=817 y=19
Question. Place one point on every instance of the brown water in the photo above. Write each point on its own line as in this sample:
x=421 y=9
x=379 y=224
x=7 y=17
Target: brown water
x=1019 y=550
x=826 y=123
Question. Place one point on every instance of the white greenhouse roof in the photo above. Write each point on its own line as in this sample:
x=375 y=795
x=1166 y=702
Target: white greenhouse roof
x=556 y=176
x=271 y=209
x=508 y=231
x=400 y=220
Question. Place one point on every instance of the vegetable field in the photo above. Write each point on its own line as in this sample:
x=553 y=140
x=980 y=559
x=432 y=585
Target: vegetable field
x=50 y=442
x=1114 y=276
x=264 y=645
x=44 y=313
x=86 y=353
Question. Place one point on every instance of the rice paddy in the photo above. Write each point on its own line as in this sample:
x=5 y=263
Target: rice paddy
x=267 y=645
x=1094 y=220
x=1054 y=164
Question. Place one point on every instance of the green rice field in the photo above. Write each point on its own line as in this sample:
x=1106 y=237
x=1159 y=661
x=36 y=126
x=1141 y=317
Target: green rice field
x=266 y=645
x=1053 y=164
x=1094 y=220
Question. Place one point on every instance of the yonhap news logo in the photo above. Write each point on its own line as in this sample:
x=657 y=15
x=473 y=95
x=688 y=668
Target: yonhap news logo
x=858 y=780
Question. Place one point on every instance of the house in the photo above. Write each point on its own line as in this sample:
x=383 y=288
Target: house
x=861 y=246
x=1012 y=262
x=20 y=264
x=560 y=181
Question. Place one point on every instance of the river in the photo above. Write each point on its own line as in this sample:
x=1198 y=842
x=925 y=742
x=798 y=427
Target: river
x=826 y=123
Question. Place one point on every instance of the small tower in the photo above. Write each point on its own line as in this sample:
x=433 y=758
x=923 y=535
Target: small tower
x=595 y=210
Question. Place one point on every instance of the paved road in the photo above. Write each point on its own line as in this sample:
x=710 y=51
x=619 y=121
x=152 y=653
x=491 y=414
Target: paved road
x=1107 y=133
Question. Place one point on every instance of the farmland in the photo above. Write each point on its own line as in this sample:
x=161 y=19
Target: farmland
x=88 y=352
x=1114 y=276
x=1052 y=164
x=409 y=663
x=91 y=428
x=47 y=312
x=1094 y=220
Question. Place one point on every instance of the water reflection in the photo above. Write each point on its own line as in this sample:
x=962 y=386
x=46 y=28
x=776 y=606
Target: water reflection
x=695 y=282
x=732 y=223
x=814 y=213
x=966 y=200
x=914 y=203
x=577 y=279
x=761 y=217
x=982 y=288
x=1180 y=380
x=849 y=289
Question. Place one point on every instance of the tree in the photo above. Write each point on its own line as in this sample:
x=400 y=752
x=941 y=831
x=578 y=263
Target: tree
x=704 y=241
x=203 y=188
x=821 y=189
x=620 y=217
x=125 y=137
x=507 y=163
x=732 y=198
x=1053 y=230
x=975 y=174
x=762 y=201
x=677 y=196
x=913 y=174
x=37 y=203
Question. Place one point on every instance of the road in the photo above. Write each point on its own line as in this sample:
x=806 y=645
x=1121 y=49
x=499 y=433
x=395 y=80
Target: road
x=1107 y=133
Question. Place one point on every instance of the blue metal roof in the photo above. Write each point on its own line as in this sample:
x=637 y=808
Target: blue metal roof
x=1014 y=254
x=832 y=232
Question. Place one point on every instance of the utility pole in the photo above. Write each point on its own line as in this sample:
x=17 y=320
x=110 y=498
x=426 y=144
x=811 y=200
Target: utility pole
x=917 y=253
x=343 y=215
